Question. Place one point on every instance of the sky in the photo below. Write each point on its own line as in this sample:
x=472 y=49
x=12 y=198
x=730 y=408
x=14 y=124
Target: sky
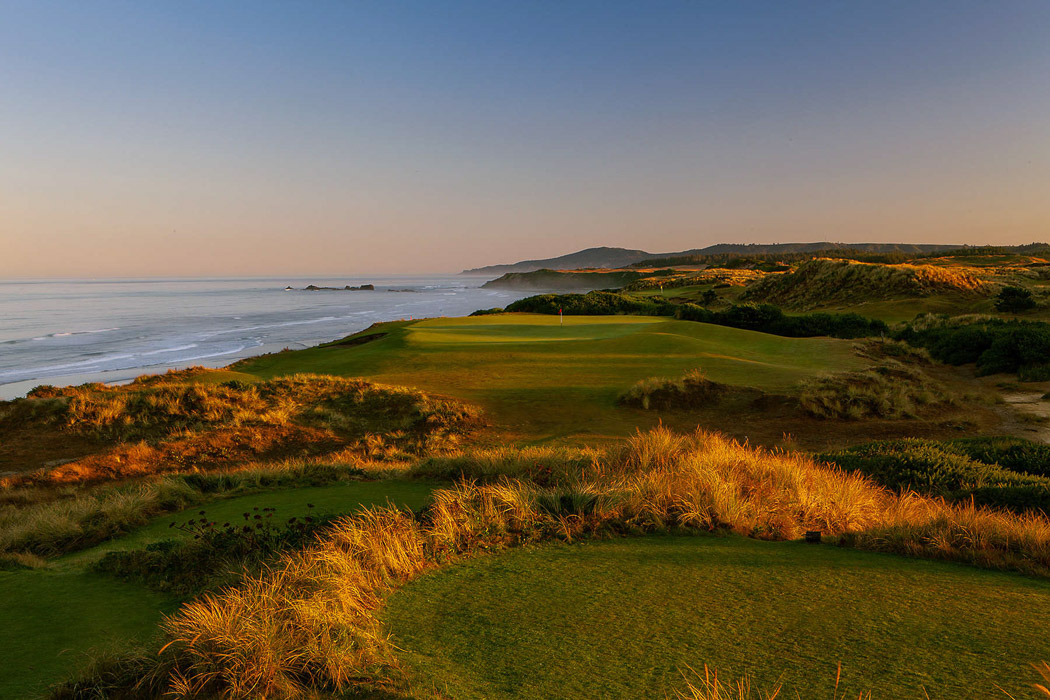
x=352 y=137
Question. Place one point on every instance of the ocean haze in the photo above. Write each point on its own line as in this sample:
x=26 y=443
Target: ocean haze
x=72 y=331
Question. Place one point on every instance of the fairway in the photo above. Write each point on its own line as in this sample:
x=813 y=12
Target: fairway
x=538 y=379
x=624 y=618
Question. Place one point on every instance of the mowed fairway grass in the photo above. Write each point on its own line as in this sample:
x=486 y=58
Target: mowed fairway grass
x=626 y=618
x=55 y=620
x=541 y=380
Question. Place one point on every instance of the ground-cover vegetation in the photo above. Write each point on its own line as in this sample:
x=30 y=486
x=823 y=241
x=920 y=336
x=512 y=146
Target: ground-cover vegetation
x=963 y=470
x=314 y=622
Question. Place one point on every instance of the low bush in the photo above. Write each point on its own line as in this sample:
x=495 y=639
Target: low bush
x=945 y=469
x=542 y=465
x=1013 y=453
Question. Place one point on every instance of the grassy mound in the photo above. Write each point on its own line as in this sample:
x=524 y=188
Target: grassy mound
x=630 y=618
x=824 y=282
x=892 y=391
x=177 y=422
x=692 y=390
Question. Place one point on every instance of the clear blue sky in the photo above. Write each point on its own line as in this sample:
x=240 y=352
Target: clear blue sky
x=275 y=137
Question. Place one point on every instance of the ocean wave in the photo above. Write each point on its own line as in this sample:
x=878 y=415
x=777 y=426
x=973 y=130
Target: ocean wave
x=84 y=365
x=174 y=349
x=64 y=334
x=270 y=325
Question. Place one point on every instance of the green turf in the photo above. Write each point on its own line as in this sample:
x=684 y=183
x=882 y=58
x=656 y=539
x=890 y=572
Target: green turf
x=624 y=618
x=53 y=619
x=334 y=499
x=539 y=379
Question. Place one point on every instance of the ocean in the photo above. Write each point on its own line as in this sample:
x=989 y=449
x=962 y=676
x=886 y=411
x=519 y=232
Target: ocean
x=66 y=332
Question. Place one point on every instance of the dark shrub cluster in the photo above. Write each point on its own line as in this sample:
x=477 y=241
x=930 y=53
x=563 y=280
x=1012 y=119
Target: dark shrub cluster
x=1014 y=300
x=994 y=345
x=765 y=318
x=771 y=319
x=948 y=469
x=592 y=304
x=1013 y=453
x=215 y=556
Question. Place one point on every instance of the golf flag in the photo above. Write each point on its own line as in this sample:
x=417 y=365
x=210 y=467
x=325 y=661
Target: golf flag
x=561 y=320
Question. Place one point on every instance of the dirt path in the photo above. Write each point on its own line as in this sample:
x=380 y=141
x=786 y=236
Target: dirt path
x=1026 y=414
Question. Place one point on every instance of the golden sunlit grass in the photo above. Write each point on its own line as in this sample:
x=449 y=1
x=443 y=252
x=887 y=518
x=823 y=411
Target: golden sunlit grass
x=312 y=621
x=179 y=421
x=824 y=282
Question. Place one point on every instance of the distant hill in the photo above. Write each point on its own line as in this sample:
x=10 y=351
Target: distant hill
x=602 y=258
x=605 y=257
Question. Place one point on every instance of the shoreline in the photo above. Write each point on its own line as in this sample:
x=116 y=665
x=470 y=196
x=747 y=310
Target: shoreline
x=119 y=377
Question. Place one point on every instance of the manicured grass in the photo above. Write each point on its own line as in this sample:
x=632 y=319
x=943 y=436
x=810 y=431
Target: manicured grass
x=52 y=619
x=624 y=618
x=538 y=379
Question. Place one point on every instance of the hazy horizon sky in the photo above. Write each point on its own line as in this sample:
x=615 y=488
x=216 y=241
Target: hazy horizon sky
x=248 y=138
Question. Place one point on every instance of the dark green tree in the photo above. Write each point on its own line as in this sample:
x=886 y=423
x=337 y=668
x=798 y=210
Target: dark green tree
x=1014 y=299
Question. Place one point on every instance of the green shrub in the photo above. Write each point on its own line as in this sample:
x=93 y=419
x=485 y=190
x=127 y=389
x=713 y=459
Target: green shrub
x=944 y=469
x=592 y=304
x=994 y=345
x=1013 y=453
x=1012 y=300
x=765 y=318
